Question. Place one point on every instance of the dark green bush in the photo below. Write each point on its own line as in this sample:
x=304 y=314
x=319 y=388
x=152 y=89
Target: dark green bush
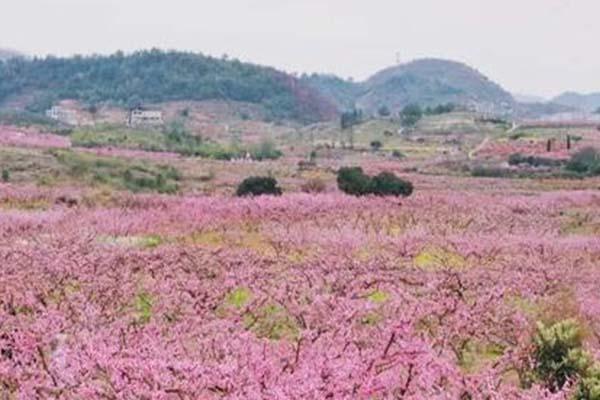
x=397 y=154
x=483 y=171
x=5 y=175
x=534 y=161
x=376 y=145
x=258 y=185
x=352 y=180
x=585 y=161
x=388 y=184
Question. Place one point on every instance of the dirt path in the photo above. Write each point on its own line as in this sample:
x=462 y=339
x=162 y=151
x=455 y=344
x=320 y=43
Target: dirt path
x=486 y=140
x=478 y=148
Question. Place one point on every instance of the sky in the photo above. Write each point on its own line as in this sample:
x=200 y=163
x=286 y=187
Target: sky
x=535 y=47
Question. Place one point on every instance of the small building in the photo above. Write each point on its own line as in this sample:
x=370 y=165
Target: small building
x=62 y=114
x=144 y=117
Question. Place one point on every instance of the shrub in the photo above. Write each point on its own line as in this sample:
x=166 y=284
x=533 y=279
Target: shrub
x=589 y=385
x=352 y=180
x=384 y=111
x=484 y=171
x=558 y=354
x=5 y=175
x=534 y=161
x=376 y=145
x=585 y=161
x=397 y=154
x=388 y=184
x=258 y=185
x=314 y=185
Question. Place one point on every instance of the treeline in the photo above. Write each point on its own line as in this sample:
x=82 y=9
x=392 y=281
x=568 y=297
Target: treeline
x=156 y=76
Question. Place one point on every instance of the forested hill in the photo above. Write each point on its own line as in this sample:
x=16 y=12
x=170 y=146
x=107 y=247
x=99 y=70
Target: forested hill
x=426 y=82
x=156 y=76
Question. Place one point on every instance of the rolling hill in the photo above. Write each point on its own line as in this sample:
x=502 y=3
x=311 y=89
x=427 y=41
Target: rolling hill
x=156 y=76
x=426 y=82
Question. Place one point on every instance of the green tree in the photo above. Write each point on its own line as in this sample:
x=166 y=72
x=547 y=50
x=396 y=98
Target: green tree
x=388 y=184
x=352 y=180
x=410 y=115
x=257 y=186
x=586 y=161
x=384 y=111
x=558 y=354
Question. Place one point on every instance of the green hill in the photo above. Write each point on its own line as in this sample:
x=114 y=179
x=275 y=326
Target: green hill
x=155 y=76
x=427 y=82
x=430 y=82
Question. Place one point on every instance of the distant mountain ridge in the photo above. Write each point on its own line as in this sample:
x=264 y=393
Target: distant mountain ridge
x=586 y=102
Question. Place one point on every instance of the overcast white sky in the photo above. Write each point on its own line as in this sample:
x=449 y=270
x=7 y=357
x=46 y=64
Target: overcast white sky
x=540 y=47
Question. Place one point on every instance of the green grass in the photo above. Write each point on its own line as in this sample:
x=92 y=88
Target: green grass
x=239 y=298
x=135 y=176
x=105 y=136
x=143 y=308
x=272 y=322
x=378 y=297
x=175 y=140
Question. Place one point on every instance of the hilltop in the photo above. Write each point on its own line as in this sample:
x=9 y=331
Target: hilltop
x=430 y=82
x=427 y=82
x=155 y=77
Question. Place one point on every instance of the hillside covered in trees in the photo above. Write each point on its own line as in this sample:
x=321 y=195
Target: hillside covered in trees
x=426 y=82
x=156 y=76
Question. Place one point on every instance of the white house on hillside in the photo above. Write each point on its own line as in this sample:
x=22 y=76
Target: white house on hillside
x=63 y=115
x=143 y=117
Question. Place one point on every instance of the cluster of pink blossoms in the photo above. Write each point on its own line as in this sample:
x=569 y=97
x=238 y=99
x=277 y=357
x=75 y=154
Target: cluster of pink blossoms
x=297 y=297
x=10 y=136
